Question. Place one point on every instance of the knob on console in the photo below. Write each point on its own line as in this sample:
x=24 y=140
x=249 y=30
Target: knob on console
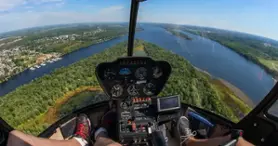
x=133 y=125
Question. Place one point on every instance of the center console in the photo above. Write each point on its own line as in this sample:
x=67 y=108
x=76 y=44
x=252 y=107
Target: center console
x=136 y=118
x=140 y=117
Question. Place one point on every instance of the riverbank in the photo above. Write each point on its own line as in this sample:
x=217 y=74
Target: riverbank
x=238 y=92
x=242 y=96
x=75 y=48
x=196 y=87
x=225 y=85
x=238 y=101
x=247 y=51
x=253 y=59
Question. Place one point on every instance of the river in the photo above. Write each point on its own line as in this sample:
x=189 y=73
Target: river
x=203 y=53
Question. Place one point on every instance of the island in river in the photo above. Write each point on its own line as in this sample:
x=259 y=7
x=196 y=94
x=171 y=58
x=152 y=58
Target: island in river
x=61 y=90
x=178 y=34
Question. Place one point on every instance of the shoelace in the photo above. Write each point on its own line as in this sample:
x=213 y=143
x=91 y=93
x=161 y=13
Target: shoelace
x=185 y=137
x=81 y=132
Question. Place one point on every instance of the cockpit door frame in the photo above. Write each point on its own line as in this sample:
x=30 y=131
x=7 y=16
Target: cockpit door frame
x=259 y=126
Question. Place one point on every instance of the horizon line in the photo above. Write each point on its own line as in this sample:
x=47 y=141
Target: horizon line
x=26 y=28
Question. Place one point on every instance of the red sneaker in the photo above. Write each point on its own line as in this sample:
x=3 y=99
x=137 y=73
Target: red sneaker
x=83 y=127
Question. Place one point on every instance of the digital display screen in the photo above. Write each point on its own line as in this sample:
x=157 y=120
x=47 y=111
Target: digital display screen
x=169 y=103
x=125 y=71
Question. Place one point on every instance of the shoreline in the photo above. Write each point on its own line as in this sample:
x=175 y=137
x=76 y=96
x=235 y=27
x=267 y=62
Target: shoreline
x=253 y=60
x=240 y=94
x=6 y=79
x=272 y=73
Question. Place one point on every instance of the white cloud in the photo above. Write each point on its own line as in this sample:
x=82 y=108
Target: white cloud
x=10 y=4
x=90 y=6
x=13 y=21
x=6 y=5
x=60 y=4
x=111 y=9
x=28 y=7
x=45 y=1
x=210 y=21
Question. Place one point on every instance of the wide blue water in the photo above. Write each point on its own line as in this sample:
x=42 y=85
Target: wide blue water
x=203 y=53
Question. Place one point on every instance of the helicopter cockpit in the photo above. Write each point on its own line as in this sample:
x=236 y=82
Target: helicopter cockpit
x=145 y=84
x=134 y=84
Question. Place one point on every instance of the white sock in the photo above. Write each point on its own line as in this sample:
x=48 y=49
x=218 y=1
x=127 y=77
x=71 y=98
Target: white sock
x=82 y=141
x=101 y=129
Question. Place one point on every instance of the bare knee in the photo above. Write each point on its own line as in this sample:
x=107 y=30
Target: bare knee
x=243 y=142
x=17 y=138
x=114 y=144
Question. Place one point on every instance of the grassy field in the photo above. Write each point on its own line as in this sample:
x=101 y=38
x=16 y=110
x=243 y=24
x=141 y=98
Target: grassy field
x=139 y=51
x=236 y=91
x=272 y=64
x=240 y=108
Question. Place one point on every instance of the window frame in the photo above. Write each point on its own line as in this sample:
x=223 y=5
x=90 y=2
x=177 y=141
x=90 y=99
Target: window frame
x=269 y=115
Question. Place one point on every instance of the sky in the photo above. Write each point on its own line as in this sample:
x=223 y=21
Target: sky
x=258 y=17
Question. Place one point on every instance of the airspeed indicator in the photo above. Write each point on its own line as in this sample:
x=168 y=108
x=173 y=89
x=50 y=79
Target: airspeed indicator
x=141 y=73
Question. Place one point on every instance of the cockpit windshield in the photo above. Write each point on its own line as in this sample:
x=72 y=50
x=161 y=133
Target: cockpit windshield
x=223 y=54
x=48 y=54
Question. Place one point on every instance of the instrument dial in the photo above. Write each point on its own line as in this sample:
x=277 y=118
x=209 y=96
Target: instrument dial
x=124 y=105
x=141 y=73
x=132 y=90
x=109 y=74
x=117 y=90
x=157 y=72
x=149 y=89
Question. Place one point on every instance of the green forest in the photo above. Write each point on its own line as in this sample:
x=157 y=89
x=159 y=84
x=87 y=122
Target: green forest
x=28 y=106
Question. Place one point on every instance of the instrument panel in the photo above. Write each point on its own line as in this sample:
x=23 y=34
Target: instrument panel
x=133 y=77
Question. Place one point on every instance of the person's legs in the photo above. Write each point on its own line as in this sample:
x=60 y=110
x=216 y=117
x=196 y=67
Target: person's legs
x=216 y=141
x=207 y=142
x=17 y=138
x=102 y=139
x=243 y=142
x=81 y=137
x=108 y=123
x=187 y=137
